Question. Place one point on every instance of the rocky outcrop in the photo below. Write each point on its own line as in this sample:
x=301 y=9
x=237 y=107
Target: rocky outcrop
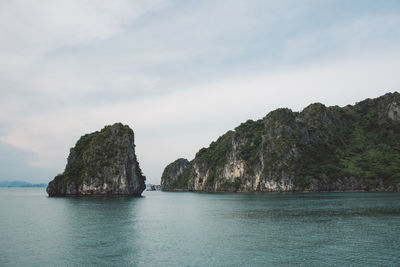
x=102 y=163
x=171 y=172
x=318 y=149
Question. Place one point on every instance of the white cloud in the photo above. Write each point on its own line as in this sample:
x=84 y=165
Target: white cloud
x=184 y=121
x=361 y=36
x=179 y=73
x=29 y=29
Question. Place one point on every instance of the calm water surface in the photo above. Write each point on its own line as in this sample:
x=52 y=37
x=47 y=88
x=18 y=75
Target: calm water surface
x=189 y=229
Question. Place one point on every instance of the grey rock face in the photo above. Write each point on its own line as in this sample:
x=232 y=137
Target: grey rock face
x=101 y=163
x=394 y=111
x=318 y=149
x=172 y=172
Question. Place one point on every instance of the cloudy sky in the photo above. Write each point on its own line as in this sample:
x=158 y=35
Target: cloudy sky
x=180 y=73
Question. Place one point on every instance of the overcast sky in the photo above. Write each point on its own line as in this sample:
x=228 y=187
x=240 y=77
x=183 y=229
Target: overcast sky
x=180 y=73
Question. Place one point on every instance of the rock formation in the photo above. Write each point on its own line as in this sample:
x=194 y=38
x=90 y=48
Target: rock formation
x=171 y=173
x=318 y=149
x=101 y=163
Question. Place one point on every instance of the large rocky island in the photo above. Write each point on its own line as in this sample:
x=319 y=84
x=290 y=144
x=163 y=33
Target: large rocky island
x=101 y=164
x=321 y=148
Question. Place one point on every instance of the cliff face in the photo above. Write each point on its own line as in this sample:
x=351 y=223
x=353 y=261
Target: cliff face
x=171 y=172
x=318 y=149
x=101 y=163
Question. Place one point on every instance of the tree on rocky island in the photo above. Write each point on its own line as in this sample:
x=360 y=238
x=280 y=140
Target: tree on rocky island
x=102 y=163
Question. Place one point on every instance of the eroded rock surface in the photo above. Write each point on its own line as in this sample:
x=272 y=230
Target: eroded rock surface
x=101 y=163
x=318 y=149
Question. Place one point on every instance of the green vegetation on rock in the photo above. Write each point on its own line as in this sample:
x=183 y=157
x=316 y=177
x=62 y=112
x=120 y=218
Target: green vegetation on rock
x=101 y=163
x=318 y=149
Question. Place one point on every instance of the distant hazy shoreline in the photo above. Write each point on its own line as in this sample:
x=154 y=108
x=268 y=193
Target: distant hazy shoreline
x=21 y=184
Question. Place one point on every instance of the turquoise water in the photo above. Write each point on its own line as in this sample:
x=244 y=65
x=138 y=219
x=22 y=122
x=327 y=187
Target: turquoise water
x=189 y=229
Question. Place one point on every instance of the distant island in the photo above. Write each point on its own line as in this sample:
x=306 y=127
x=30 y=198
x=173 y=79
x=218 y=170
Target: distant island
x=351 y=148
x=20 y=184
x=102 y=163
x=153 y=187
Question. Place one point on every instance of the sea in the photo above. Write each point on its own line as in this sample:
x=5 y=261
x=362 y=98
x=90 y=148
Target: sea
x=200 y=229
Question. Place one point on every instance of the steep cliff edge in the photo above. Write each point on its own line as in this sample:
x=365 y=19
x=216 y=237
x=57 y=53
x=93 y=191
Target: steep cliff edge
x=318 y=149
x=101 y=163
x=171 y=173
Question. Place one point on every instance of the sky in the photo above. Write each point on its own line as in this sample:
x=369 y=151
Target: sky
x=179 y=73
